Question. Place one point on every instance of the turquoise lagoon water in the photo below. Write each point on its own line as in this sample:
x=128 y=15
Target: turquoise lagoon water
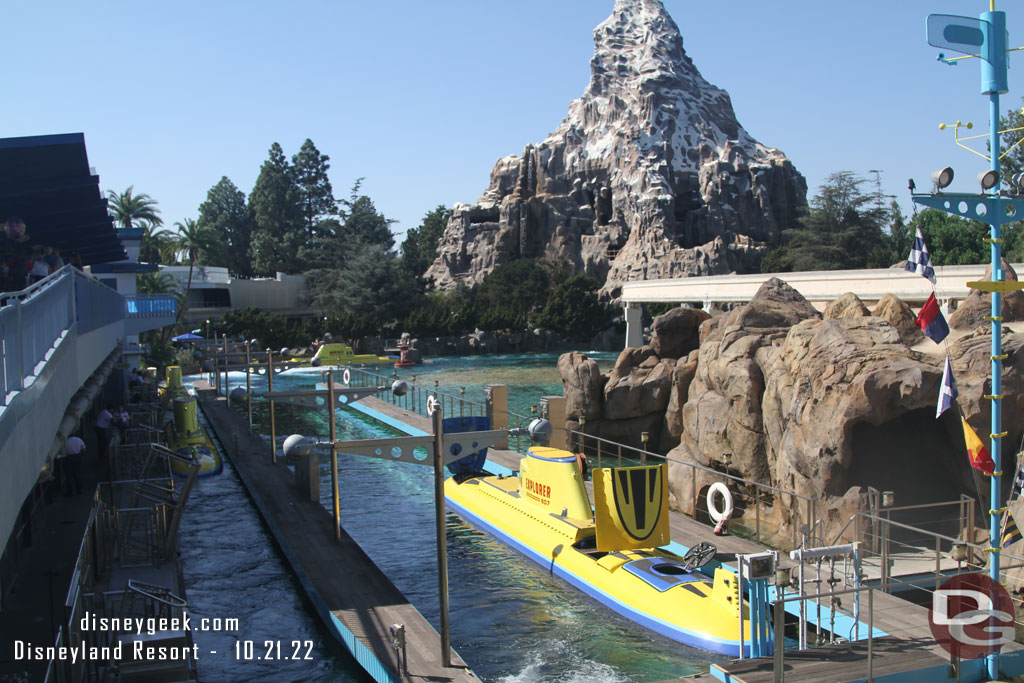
x=510 y=619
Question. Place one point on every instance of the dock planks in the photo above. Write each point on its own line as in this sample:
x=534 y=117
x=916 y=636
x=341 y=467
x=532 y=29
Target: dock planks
x=343 y=583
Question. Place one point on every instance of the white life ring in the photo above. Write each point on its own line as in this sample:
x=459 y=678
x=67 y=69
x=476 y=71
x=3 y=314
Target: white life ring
x=716 y=515
x=346 y=376
x=433 y=405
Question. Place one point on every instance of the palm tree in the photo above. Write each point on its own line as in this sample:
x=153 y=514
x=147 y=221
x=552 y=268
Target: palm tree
x=158 y=245
x=126 y=208
x=192 y=241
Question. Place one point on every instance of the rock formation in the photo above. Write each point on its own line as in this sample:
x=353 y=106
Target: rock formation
x=649 y=176
x=823 y=407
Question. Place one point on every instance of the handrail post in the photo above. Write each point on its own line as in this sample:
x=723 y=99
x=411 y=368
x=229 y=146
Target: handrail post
x=871 y=633
x=21 y=344
x=757 y=514
x=780 y=643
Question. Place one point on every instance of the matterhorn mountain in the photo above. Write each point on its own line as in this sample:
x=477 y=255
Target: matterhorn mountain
x=649 y=176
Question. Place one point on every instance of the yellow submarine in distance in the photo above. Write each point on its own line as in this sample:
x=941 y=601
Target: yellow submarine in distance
x=342 y=354
x=610 y=553
x=185 y=435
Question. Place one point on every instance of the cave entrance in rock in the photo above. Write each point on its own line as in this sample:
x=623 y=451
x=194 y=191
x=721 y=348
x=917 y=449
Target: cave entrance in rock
x=914 y=457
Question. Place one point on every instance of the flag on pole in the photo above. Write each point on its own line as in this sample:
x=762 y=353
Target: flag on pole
x=931 y=321
x=919 y=261
x=980 y=459
x=1018 y=482
x=947 y=392
x=1010 y=532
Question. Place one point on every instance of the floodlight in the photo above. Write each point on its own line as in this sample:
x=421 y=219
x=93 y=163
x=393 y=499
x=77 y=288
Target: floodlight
x=942 y=177
x=988 y=179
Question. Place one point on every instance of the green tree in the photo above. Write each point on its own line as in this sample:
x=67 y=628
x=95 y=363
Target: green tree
x=361 y=222
x=158 y=244
x=226 y=214
x=951 y=240
x=511 y=294
x=842 y=230
x=1011 y=145
x=573 y=308
x=419 y=249
x=278 y=231
x=127 y=208
x=901 y=236
x=192 y=241
x=444 y=313
x=313 y=188
x=271 y=330
x=367 y=284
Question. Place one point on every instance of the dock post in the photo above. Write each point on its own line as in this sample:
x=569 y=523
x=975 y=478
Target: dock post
x=780 y=643
x=442 y=545
x=248 y=382
x=273 y=425
x=497 y=409
x=334 y=457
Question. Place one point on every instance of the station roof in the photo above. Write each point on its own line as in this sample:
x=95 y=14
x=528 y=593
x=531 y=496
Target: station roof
x=45 y=180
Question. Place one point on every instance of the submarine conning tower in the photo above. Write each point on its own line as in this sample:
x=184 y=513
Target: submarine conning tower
x=551 y=480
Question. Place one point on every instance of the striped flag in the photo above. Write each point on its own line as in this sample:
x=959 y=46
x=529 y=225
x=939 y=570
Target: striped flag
x=1018 y=482
x=1010 y=533
x=931 y=321
x=980 y=459
x=919 y=261
x=947 y=392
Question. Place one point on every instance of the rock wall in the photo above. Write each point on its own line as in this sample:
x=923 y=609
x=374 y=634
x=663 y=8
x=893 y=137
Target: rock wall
x=650 y=175
x=821 y=406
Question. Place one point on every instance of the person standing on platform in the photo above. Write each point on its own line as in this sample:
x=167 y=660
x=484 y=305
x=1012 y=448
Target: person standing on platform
x=103 y=421
x=74 y=448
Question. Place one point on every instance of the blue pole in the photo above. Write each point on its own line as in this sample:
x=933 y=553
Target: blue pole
x=993 y=71
x=997 y=389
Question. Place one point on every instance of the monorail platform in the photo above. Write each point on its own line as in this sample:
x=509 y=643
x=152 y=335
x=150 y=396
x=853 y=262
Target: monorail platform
x=354 y=598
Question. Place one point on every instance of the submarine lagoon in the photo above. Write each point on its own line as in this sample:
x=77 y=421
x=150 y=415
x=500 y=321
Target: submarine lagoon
x=510 y=619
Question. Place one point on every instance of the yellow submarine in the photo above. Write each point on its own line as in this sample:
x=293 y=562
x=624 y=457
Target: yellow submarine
x=184 y=433
x=342 y=354
x=611 y=551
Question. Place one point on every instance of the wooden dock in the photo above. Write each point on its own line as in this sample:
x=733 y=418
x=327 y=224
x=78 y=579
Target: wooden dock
x=356 y=601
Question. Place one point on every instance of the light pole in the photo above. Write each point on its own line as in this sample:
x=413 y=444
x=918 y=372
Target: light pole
x=984 y=38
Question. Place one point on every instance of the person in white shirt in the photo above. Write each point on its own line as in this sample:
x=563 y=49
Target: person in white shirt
x=74 y=449
x=103 y=434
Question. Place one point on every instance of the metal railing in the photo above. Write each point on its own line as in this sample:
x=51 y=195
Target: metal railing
x=415 y=400
x=32 y=322
x=150 y=305
x=35 y=319
x=757 y=513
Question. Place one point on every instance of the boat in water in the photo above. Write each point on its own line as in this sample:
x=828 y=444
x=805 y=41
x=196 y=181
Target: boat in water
x=611 y=551
x=342 y=354
x=184 y=433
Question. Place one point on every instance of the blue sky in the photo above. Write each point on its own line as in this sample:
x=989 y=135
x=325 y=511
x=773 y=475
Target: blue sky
x=421 y=99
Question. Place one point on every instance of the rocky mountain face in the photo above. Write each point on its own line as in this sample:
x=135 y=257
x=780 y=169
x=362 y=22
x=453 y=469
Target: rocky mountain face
x=824 y=406
x=650 y=175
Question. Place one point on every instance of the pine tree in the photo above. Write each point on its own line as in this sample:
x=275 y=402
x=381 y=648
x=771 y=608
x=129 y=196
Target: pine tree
x=278 y=232
x=419 y=249
x=226 y=214
x=315 y=196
